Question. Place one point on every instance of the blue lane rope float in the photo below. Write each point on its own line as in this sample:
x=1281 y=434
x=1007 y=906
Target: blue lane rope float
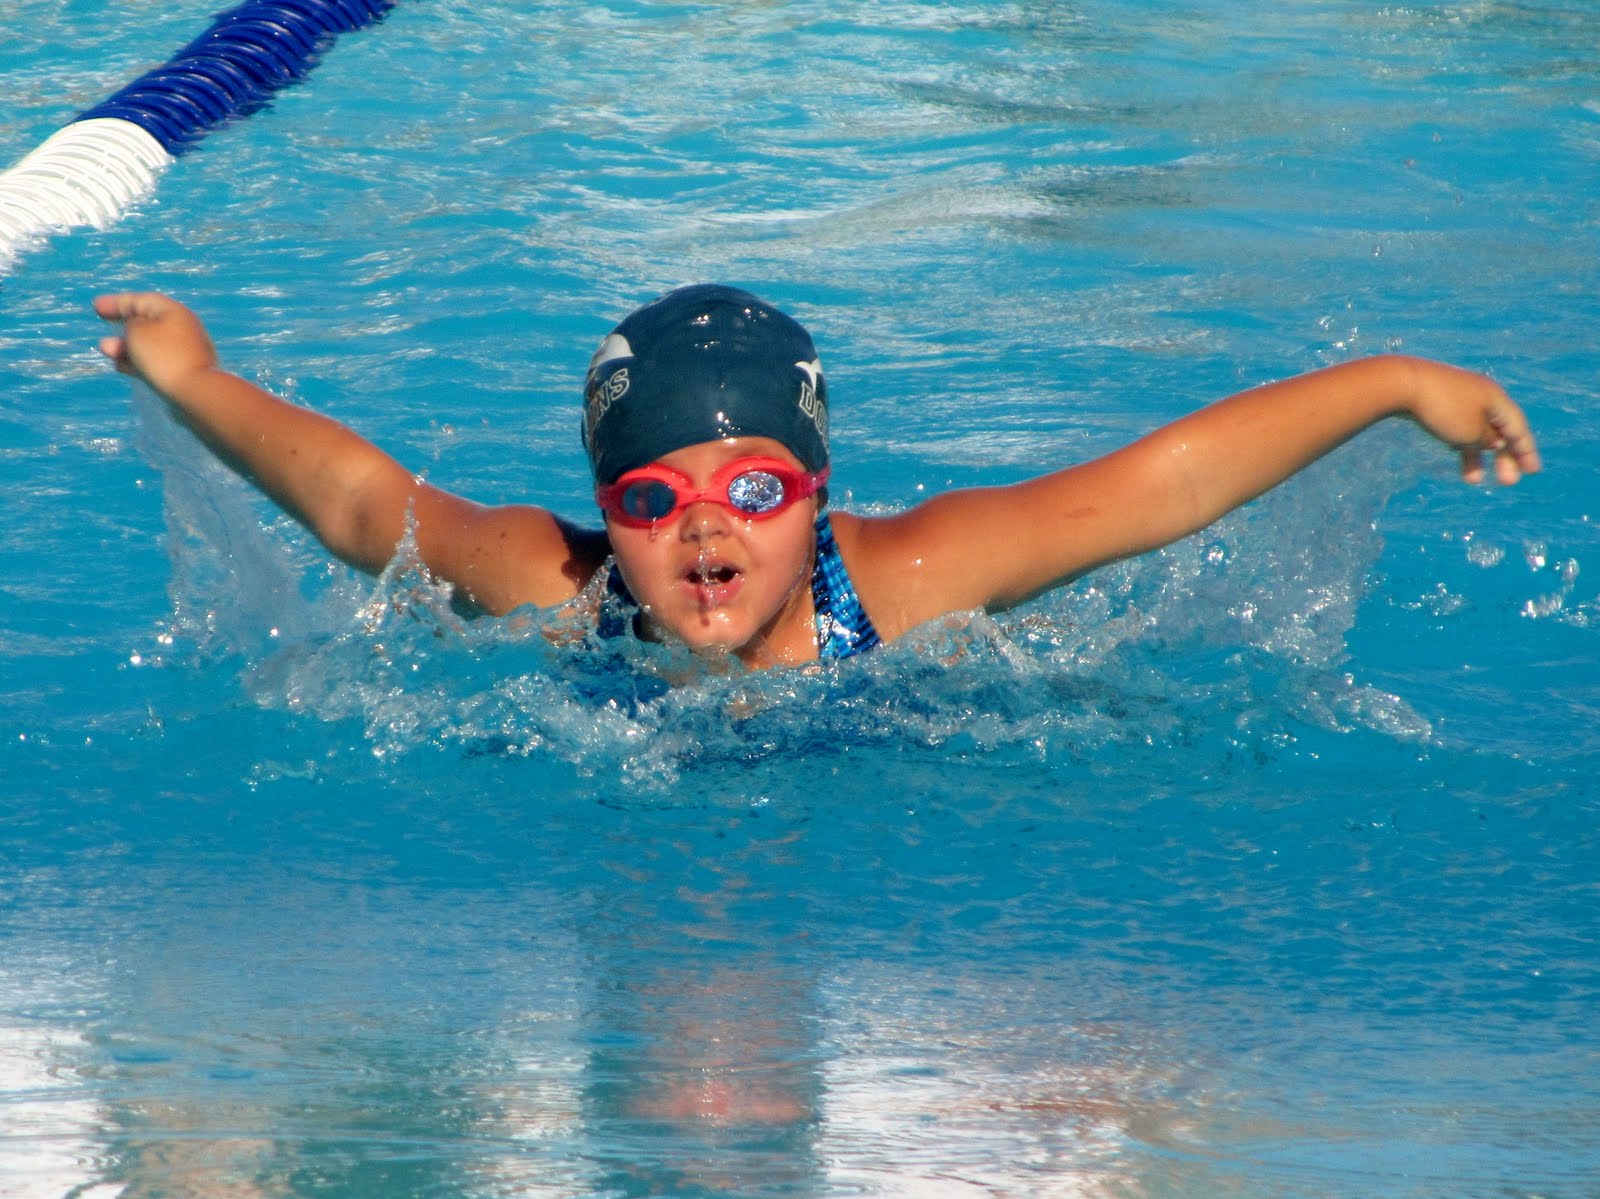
x=92 y=170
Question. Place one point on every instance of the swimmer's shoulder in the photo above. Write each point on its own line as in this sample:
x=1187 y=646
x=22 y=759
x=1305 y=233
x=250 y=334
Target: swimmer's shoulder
x=505 y=556
x=897 y=568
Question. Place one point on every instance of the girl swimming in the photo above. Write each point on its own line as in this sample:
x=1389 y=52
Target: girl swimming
x=706 y=425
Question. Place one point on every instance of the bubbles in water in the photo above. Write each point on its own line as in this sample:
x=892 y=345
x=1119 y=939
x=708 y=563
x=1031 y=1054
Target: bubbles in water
x=1483 y=553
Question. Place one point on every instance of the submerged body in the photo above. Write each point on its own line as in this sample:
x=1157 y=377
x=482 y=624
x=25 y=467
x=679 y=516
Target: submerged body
x=724 y=553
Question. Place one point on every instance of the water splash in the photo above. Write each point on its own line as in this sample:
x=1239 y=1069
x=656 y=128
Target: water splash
x=1228 y=646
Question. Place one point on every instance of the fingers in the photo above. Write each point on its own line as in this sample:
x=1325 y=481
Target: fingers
x=129 y=305
x=1511 y=463
x=114 y=307
x=1507 y=469
x=117 y=307
x=1511 y=443
x=1516 y=450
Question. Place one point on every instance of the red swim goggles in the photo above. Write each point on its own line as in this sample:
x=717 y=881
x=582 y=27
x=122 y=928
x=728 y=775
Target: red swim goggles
x=751 y=488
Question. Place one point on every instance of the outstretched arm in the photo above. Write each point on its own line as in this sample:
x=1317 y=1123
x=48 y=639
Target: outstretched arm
x=993 y=547
x=352 y=495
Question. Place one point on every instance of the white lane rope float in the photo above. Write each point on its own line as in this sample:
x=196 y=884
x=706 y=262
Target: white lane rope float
x=91 y=171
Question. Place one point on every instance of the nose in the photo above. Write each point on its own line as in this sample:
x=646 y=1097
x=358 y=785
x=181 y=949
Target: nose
x=703 y=520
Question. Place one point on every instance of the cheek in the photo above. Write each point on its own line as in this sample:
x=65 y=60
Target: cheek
x=785 y=552
x=639 y=559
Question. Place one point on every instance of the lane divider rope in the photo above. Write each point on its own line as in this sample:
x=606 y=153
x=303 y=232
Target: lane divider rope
x=91 y=171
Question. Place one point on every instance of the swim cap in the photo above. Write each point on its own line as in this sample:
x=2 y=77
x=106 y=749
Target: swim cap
x=703 y=363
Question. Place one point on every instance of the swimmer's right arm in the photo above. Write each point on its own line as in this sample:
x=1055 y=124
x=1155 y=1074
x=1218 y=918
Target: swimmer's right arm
x=351 y=494
x=310 y=465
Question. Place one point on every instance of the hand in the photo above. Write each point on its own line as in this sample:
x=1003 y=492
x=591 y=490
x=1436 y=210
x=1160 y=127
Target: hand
x=1471 y=414
x=162 y=342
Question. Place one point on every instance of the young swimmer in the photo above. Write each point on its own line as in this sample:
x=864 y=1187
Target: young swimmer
x=705 y=421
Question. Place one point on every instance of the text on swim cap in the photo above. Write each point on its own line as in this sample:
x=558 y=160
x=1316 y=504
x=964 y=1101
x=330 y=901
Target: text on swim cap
x=810 y=404
x=602 y=394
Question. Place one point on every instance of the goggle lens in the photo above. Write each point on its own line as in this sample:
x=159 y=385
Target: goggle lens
x=648 y=499
x=756 y=492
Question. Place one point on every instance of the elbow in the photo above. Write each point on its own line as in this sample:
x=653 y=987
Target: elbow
x=362 y=534
x=359 y=527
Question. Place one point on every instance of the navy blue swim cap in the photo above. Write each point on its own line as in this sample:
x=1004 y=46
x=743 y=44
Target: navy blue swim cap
x=703 y=363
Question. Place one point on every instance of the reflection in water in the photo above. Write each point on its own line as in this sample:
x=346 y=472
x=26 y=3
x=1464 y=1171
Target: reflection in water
x=994 y=1103
x=49 y=1117
x=182 y=1152
x=668 y=1016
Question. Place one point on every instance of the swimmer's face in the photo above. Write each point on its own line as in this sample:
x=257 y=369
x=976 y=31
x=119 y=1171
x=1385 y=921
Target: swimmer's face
x=719 y=581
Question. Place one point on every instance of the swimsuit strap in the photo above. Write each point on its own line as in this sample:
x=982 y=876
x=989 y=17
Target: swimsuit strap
x=843 y=627
x=619 y=611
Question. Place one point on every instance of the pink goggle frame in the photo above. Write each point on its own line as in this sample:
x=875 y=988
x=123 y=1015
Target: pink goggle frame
x=750 y=488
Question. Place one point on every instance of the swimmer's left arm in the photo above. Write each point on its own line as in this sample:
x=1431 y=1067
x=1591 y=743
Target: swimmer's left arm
x=995 y=547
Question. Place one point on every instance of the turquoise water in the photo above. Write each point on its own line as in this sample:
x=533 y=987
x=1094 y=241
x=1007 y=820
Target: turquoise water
x=1263 y=866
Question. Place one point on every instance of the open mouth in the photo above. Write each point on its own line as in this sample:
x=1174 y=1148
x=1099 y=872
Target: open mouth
x=712 y=583
x=712 y=574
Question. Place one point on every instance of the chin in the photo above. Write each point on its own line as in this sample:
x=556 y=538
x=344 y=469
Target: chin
x=707 y=639
x=713 y=642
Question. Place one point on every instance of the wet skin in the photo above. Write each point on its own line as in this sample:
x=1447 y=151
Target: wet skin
x=721 y=582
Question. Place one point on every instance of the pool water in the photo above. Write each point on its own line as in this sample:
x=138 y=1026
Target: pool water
x=1265 y=865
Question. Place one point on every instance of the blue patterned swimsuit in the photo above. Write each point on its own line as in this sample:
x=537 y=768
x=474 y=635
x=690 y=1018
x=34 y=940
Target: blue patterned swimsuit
x=843 y=627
